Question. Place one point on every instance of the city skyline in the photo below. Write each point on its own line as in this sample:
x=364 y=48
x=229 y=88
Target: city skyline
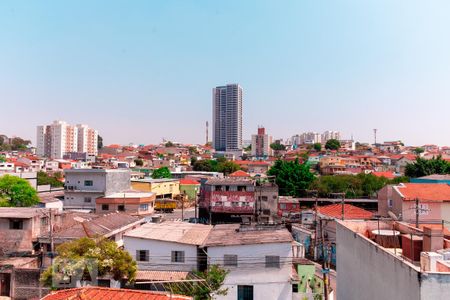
x=136 y=76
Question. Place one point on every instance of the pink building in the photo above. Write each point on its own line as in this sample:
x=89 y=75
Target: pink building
x=433 y=199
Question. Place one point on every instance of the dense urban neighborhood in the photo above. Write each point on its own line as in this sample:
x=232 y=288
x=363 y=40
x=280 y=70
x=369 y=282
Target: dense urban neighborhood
x=295 y=218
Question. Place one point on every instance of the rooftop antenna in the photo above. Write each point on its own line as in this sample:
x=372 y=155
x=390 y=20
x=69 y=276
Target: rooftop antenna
x=375 y=135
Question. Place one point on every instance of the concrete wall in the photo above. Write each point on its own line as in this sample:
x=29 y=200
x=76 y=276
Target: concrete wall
x=160 y=254
x=268 y=283
x=365 y=271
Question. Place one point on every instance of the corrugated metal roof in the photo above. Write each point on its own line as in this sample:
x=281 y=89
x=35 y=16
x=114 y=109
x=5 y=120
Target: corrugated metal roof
x=234 y=234
x=161 y=275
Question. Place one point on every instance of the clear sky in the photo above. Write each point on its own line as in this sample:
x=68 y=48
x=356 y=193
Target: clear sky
x=142 y=70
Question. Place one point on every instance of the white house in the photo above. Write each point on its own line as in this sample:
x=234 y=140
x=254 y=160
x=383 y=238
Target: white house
x=168 y=246
x=259 y=260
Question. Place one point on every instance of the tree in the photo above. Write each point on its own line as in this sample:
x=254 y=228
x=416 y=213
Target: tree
x=203 y=165
x=162 y=172
x=333 y=144
x=54 y=181
x=419 y=150
x=317 y=147
x=248 y=148
x=111 y=260
x=193 y=160
x=2 y=158
x=99 y=142
x=291 y=177
x=423 y=167
x=139 y=162
x=361 y=185
x=18 y=143
x=228 y=167
x=277 y=147
x=17 y=192
x=212 y=285
x=169 y=144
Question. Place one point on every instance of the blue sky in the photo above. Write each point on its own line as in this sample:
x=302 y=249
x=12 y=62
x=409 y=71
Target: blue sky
x=142 y=70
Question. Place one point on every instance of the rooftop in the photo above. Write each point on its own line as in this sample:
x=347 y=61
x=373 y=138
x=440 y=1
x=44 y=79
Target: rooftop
x=21 y=212
x=350 y=211
x=230 y=181
x=239 y=173
x=159 y=180
x=424 y=191
x=235 y=234
x=189 y=182
x=99 y=226
x=101 y=293
x=172 y=231
x=130 y=194
x=436 y=177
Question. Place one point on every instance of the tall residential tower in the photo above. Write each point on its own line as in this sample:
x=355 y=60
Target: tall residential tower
x=227 y=118
x=59 y=138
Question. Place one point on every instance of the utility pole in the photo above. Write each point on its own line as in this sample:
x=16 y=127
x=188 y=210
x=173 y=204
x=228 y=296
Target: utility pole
x=182 y=206
x=417 y=212
x=52 y=244
x=324 y=267
x=343 y=206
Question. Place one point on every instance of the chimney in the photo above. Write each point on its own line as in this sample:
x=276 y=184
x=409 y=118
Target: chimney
x=433 y=239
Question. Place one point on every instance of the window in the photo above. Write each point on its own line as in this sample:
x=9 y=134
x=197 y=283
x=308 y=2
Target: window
x=219 y=203
x=230 y=260
x=121 y=207
x=142 y=255
x=245 y=292
x=295 y=288
x=87 y=199
x=88 y=183
x=178 y=256
x=234 y=204
x=282 y=205
x=105 y=206
x=272 y=261
x=242 y=188
x=218 y=187
x=390 y=203
x=263 y=198
x=16 y=224
x=143 y=207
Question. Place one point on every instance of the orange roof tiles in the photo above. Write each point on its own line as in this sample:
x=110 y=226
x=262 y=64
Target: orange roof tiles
x=189 y=182
x=100 y=293
x=388 y=175
x=424 y=191
x=350 y=211
x=239 y=173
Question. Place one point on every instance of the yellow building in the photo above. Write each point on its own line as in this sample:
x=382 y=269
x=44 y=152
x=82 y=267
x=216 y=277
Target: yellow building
x=163 y=188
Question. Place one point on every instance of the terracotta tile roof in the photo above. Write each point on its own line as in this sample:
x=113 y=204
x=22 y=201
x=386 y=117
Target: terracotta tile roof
x=350 y=211
x=100 y=293
x=239 y=173
x=388 y=175
x=424 y=191
x=188 y=182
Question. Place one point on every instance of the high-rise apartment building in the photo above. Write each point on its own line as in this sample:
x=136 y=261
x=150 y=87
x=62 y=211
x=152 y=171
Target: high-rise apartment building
x=261 y=143
x=59 y=138
x=87 y=140
x=310 y=138
x=227 y=118
x=329 y=135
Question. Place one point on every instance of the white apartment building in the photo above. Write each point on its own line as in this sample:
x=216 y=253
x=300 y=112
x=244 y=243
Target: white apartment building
x=310 y=138
x=59 y=138
x=330 y=135
x=259 y=261
x=87 y=140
